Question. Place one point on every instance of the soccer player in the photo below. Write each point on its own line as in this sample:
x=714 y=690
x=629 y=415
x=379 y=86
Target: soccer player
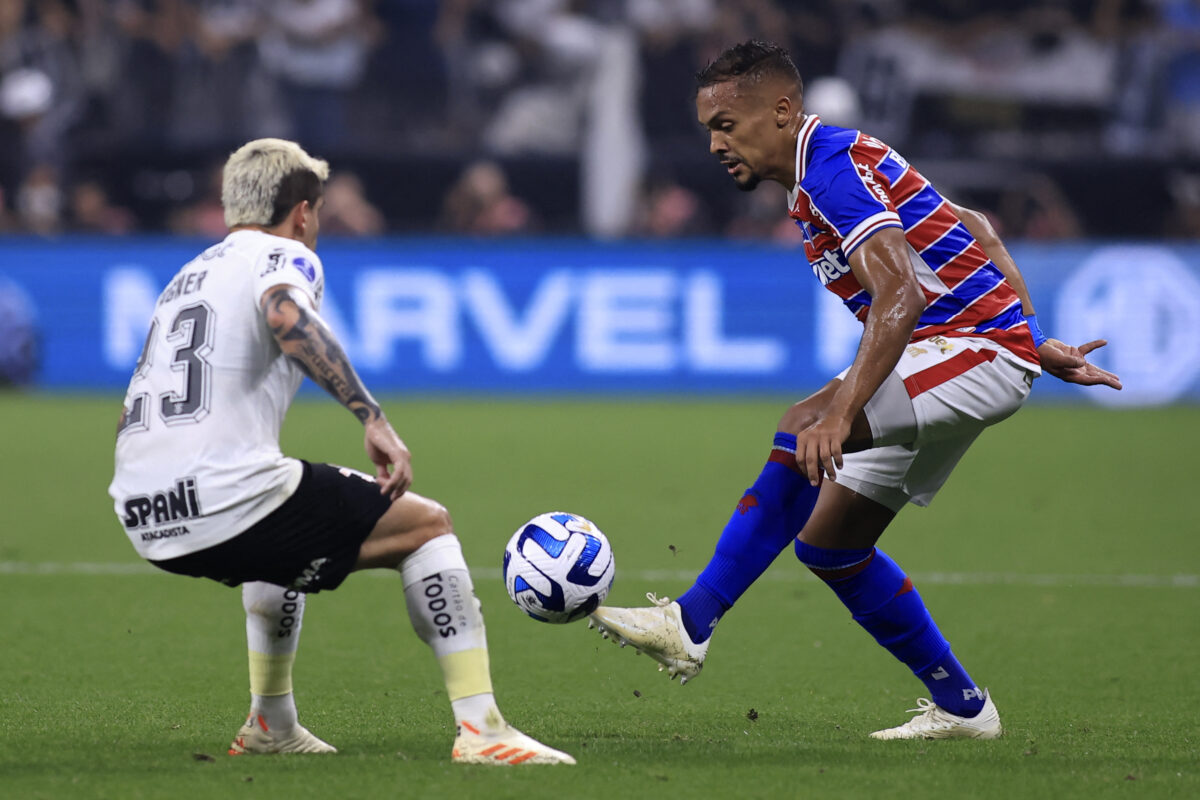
x=202 y=488
x=950 y=345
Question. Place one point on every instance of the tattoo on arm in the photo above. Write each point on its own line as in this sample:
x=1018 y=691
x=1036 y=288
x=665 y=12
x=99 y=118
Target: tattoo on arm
x=306 y=339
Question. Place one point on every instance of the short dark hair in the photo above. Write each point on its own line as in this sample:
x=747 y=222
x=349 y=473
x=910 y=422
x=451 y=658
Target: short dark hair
x=751 y=61
x=294 y=188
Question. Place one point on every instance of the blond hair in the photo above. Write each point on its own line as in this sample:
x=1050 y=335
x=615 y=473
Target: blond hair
x=254 y=174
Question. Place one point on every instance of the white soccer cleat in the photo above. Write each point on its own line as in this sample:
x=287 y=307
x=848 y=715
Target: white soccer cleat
x=256 y=738
x=658 y=632
x=934 y=722
x=505 y=748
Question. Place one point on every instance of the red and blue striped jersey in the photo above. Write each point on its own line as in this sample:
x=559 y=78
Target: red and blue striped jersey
x=850 y=186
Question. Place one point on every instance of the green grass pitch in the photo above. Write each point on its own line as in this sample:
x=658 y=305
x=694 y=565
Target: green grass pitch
x=1060 y=560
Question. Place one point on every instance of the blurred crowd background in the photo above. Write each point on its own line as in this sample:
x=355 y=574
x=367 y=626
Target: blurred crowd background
x=1063 y=119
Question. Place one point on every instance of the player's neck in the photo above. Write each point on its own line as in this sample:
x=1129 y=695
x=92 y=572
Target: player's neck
x=284 y=229
x=783 y=171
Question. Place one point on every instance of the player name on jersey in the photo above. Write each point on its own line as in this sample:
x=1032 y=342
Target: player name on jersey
x=183 y=284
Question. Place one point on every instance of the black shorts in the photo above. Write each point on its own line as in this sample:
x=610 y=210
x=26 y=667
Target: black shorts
x=309 y=543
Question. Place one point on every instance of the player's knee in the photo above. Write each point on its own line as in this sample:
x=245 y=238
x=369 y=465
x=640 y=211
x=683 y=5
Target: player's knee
x=434 y=523
x=798 y=417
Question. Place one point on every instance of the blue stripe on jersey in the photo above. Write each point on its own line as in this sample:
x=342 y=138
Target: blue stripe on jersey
x=919 y=206
x=946 y=306
x=955 y=240
x=890 y=168
x=1009 y=318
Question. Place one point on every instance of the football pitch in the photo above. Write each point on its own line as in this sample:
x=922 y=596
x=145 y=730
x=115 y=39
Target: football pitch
x=1062 y=561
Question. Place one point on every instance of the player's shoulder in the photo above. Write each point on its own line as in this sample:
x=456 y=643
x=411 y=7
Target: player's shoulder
x=831 y=144
x=277 y=256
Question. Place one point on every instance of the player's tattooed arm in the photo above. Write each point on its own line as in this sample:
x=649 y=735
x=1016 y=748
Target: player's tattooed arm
x=306 y=339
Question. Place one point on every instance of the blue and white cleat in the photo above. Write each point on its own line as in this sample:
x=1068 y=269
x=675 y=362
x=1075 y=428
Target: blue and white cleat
x=658 y=632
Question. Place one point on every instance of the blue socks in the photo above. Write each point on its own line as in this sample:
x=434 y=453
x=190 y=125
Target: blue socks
x=766 y=521
x=883 y=600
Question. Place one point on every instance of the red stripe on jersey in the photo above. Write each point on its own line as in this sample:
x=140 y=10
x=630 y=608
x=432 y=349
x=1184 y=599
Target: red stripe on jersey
x=845 y=287
x=1017 y=341
x=932 y=229
x=909 y=184
x=935 y=376
x=962 y=266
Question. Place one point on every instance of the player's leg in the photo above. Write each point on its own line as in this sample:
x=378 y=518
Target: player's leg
x=838 y=545
x=925 y=416
x=273 y=620
x=416 y=536
x=764 y=523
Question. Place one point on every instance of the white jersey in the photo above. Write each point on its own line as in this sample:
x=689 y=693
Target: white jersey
x=198 y=458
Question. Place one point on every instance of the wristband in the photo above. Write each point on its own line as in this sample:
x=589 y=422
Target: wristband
x=1035 y=330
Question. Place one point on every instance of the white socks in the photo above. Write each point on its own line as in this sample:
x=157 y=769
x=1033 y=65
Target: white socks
x=273 y=617
x=445 y=614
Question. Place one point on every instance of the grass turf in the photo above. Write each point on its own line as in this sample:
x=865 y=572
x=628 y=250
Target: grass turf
x=113 y=685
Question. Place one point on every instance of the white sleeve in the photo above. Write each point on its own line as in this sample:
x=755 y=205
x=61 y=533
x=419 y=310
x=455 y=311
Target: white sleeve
x=293 y=264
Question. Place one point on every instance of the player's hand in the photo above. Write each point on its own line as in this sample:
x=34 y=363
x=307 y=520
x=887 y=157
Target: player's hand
x=819 y=447
x=393 y=467
x=1070 y=364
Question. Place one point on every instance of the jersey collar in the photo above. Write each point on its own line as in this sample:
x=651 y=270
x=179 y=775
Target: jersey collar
x=803 y=139
x=811 y=123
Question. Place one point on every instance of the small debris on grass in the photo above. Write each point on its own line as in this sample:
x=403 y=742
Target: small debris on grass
x=636 y=693
x=248 y=779
x=1131 y=777
x=752 y=715
x=202 y=757
x=671 y=547
x=176 y=726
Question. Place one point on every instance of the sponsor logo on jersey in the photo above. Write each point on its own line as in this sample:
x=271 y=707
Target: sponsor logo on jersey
x=830 y=266
x=868 y=176
x=275 y=260
x=165 y=533
x=306 y=267
x=170 y=505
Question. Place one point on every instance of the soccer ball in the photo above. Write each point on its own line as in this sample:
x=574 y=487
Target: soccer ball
x=558 y=567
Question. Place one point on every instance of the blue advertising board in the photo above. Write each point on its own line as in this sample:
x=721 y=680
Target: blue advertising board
x=575 y=317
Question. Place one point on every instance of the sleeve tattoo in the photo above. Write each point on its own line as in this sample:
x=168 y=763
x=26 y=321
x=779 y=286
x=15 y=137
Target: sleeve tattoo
x=306 y=339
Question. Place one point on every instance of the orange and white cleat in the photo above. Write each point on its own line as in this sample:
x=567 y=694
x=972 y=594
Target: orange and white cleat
x=506 y=747
x=256 y=738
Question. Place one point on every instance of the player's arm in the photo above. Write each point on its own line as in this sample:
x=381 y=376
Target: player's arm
x=305 y=338
x=1060 y=359
x=881 y=265
x=984 y=232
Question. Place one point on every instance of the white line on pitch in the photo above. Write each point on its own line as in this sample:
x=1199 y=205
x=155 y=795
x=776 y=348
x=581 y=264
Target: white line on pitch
x=655 y=575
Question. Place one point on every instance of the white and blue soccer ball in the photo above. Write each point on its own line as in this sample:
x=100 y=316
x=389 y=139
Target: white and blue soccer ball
x=558 y=567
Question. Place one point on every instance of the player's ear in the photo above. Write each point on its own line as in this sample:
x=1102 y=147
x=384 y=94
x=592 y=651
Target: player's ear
x=299 y=216
x=784 y=111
